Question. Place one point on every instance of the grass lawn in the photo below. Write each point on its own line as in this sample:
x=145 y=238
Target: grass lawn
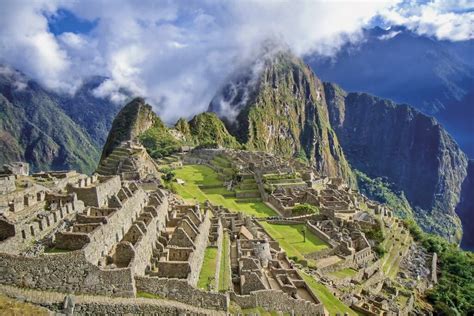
x=9 y=306
x=195 y=175
x=208 y=269
x=344 y=273
x=224 y=273
x=290 y=238
x=148 y=295
x=330 y=302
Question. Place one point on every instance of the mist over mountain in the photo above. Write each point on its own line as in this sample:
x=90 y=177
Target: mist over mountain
x=51 y=130
x=435 y=76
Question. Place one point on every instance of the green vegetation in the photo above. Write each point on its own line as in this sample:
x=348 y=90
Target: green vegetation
x=344 y=273
x=454 y=293
x=196 y=176
x=34 y=128
x=330 y=302
x=291 y=239
x=224 y=273
x=207 y=128
x=158 y=141
x=208 y=269
x=305 y=208
x=9 y=306
x=377 y=234
x=148 y=295
x=379 y=190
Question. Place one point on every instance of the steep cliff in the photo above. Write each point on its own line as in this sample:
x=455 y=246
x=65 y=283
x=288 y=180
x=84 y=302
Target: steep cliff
x=465 y=208
x=278 y=105
x=412 y=150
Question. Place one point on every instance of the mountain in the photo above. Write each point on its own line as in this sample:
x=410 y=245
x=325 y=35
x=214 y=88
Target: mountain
x=133 y=120
x=465 y=208
x=137 y=121
x=207 y=128
x=436 y=77
x=93 y=114
x=412 y=150
x=277 y=105
x=35 y=129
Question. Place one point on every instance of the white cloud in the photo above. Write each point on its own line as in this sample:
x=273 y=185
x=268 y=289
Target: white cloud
x=443 y=19
x=177 y=54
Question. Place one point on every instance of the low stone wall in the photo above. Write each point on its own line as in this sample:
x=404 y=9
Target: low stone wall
x=181 y=291
x=320 y=254
x=220 y=244
x=65 y=272
x=273 y=300
x=323 y=236
x=285 y=221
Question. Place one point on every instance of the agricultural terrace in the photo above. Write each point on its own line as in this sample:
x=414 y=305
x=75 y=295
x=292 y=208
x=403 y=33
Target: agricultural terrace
x=331 y=303
x=208 y=269
x=291 y=239
x=201 y=183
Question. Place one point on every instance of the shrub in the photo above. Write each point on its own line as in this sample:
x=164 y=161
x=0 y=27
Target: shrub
x=305 y=208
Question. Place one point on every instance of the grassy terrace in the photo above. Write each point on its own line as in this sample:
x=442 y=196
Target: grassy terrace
x=208 y=268
x=196 y=175
x=344 y=273
x=291 y=239
x=330 y=302
x=394 y=246
x=224 y=273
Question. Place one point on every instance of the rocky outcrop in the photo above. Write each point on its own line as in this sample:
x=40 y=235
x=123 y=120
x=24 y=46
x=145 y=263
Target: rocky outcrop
x=278 y=105
x=135 y=118
x=412 y=150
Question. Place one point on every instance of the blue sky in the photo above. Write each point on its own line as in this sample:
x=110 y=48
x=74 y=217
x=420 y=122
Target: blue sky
x=176 y=53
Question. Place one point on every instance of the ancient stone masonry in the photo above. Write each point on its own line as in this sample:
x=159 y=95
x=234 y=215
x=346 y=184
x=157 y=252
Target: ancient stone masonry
x=120 y=233
x=261 y=269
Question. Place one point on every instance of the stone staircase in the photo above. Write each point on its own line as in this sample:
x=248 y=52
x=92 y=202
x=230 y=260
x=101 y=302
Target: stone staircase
x=117 y=160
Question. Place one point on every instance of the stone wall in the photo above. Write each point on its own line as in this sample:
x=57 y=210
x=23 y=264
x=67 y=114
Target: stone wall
x=144 y=248
x=273 y=300
x=200 y=243
x=181 y=291
x=28 y=231
x=103 y=238
x=220 y=244
x=98 y=193
x=65 y=272
x=320 y=234
x=7 y=184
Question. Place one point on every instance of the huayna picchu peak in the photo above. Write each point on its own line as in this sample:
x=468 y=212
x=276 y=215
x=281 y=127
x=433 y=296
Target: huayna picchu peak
x=213 y=159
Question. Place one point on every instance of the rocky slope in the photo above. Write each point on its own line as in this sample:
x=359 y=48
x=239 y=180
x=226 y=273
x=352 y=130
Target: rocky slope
x=34 y=128
x=133 y=120
x=436 y=77
x=412 y=150
x=278 y=105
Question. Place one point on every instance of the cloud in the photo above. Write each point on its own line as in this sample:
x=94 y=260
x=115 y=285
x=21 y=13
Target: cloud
x=177 y=54
x=444 y=19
